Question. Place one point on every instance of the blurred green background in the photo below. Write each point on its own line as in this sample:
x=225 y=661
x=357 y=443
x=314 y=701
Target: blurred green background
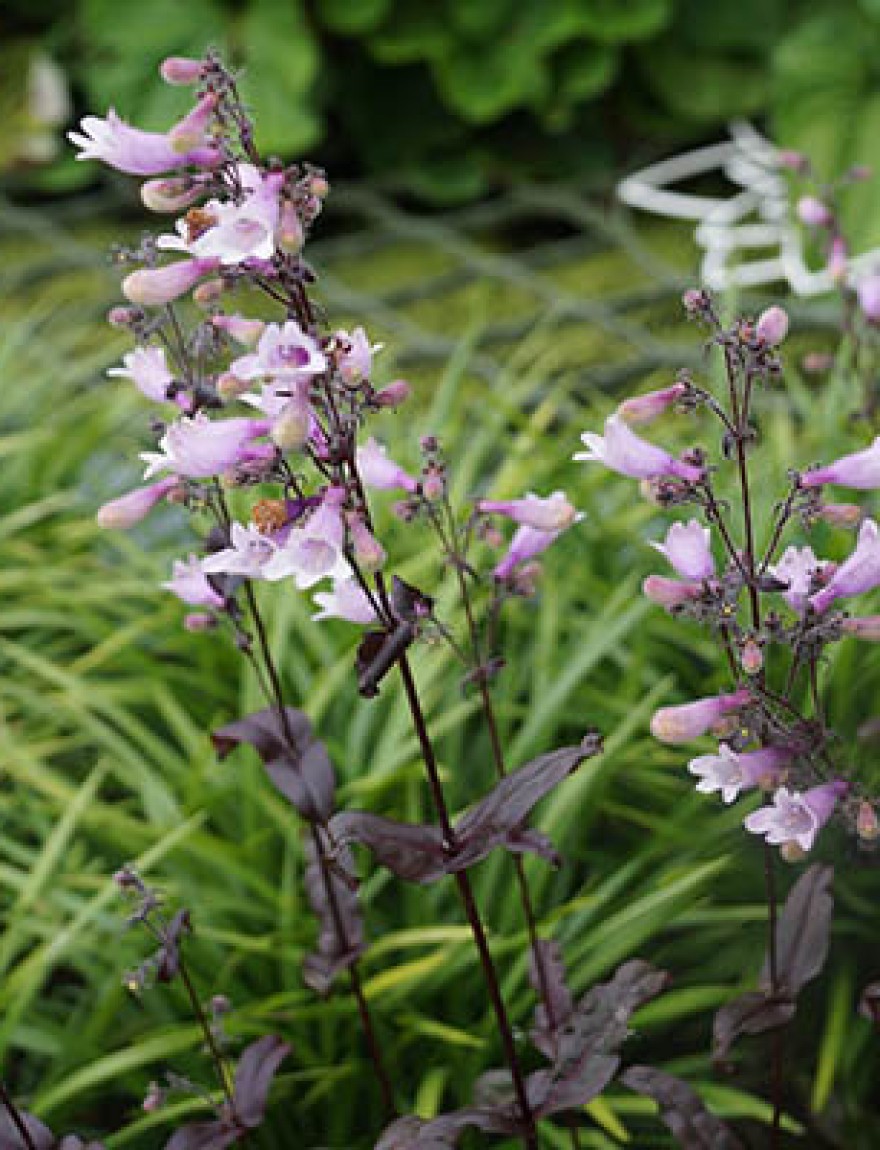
x=471 y=147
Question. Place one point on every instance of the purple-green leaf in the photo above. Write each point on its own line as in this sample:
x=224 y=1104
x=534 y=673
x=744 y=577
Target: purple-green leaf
x=296 y=762
x=681 y=1109
x=417 y=852
x=340 y=921
x=803 y=931
x=750 y=1013
x=256 y=1069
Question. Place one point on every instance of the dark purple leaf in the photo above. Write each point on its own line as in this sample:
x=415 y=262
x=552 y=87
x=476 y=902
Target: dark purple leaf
x=751 y=1013
x=168 y=954
x=296 y=762
x=681 y=1109
x=216 y=1135
x=340 y=922
x=547 y=976
x=10 y=1138
x=257 y=1067
x=569 y=1085
x=418 y=853
x=409 y=603
x=377 y=654
x=443 y=1133
x=802 y=931
x=869 y=1003
x=600 y=1021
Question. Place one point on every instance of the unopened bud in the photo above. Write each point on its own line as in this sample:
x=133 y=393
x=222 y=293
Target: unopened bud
x=524 y=579
x=209 y=292
x=644 y=408
x=243 y=330
x=694 y=301
x=152 y=287
x=154 y=1097
x=290 y=235
x=858 y=173
x=199 y=621
x=867 y=823
x=838 y=260
x=869 y=297
x=367 y=550
x=319 y=187
x=751 y=657
x=840 y=514
x=794 y=161
x=181 y=70
x=123 y=316
x=394 y=394
x=772 y=326
x=866 y=627
x=812 y=212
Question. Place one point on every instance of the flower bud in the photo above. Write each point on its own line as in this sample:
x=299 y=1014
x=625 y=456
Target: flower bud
x=812 y=212
x=670 y=593
x=319 y=186
x=817 y=362
x=525 y=579
x=867 y=823
x=154 y=1098
x=179 y=70
x=151 y=287
x=772 y=326
x=199 y=621
x=866 y=627
x=751 y=657
x=394 y=394
x=792 y=853
x=123 y=316
x=840 y=514
x=367 y=550
x=644 y=408
x=433 y=484
x=290 y=235
x=130 y=509
x=690 y=720
x=209 y=292
x=695 y=302
x=174 y=194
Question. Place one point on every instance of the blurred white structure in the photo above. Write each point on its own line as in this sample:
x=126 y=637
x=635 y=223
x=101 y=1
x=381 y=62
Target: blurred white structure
x=757 y=218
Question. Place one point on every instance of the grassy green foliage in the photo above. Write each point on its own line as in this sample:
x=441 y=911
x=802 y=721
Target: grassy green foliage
x=105 y=705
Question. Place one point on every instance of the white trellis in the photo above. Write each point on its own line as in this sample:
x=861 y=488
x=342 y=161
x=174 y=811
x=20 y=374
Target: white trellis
x=756 y=218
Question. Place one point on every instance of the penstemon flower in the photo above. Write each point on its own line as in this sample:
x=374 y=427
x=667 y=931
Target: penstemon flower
x=621 y=450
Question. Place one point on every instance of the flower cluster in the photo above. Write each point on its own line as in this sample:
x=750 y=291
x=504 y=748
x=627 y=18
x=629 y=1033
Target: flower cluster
x=772 y=613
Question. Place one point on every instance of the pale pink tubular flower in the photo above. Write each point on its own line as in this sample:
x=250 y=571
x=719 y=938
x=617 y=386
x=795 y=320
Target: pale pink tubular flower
x=191 y=132
x=687 y=549
x=134 y=151
x=623 y=451
x=840 y=514
x=248 y=553
x=356 y=363
x=378 y=470
x=148 y=371
x=526 y=543
x=857 y=574
x=549 y=513
x=644 y=408
x=314 y=551
x=284 y=353
x=130 y=509
x=191 y=585
x=152 y=287
x=838 y=259
x=796 y=817
x=868 y=290
x=199 y=448
x=690 y=720
x=233 y=232
x=797 y=566
x=670 y=593
x=860 y=470
x=731 y=771
x=346 y=600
